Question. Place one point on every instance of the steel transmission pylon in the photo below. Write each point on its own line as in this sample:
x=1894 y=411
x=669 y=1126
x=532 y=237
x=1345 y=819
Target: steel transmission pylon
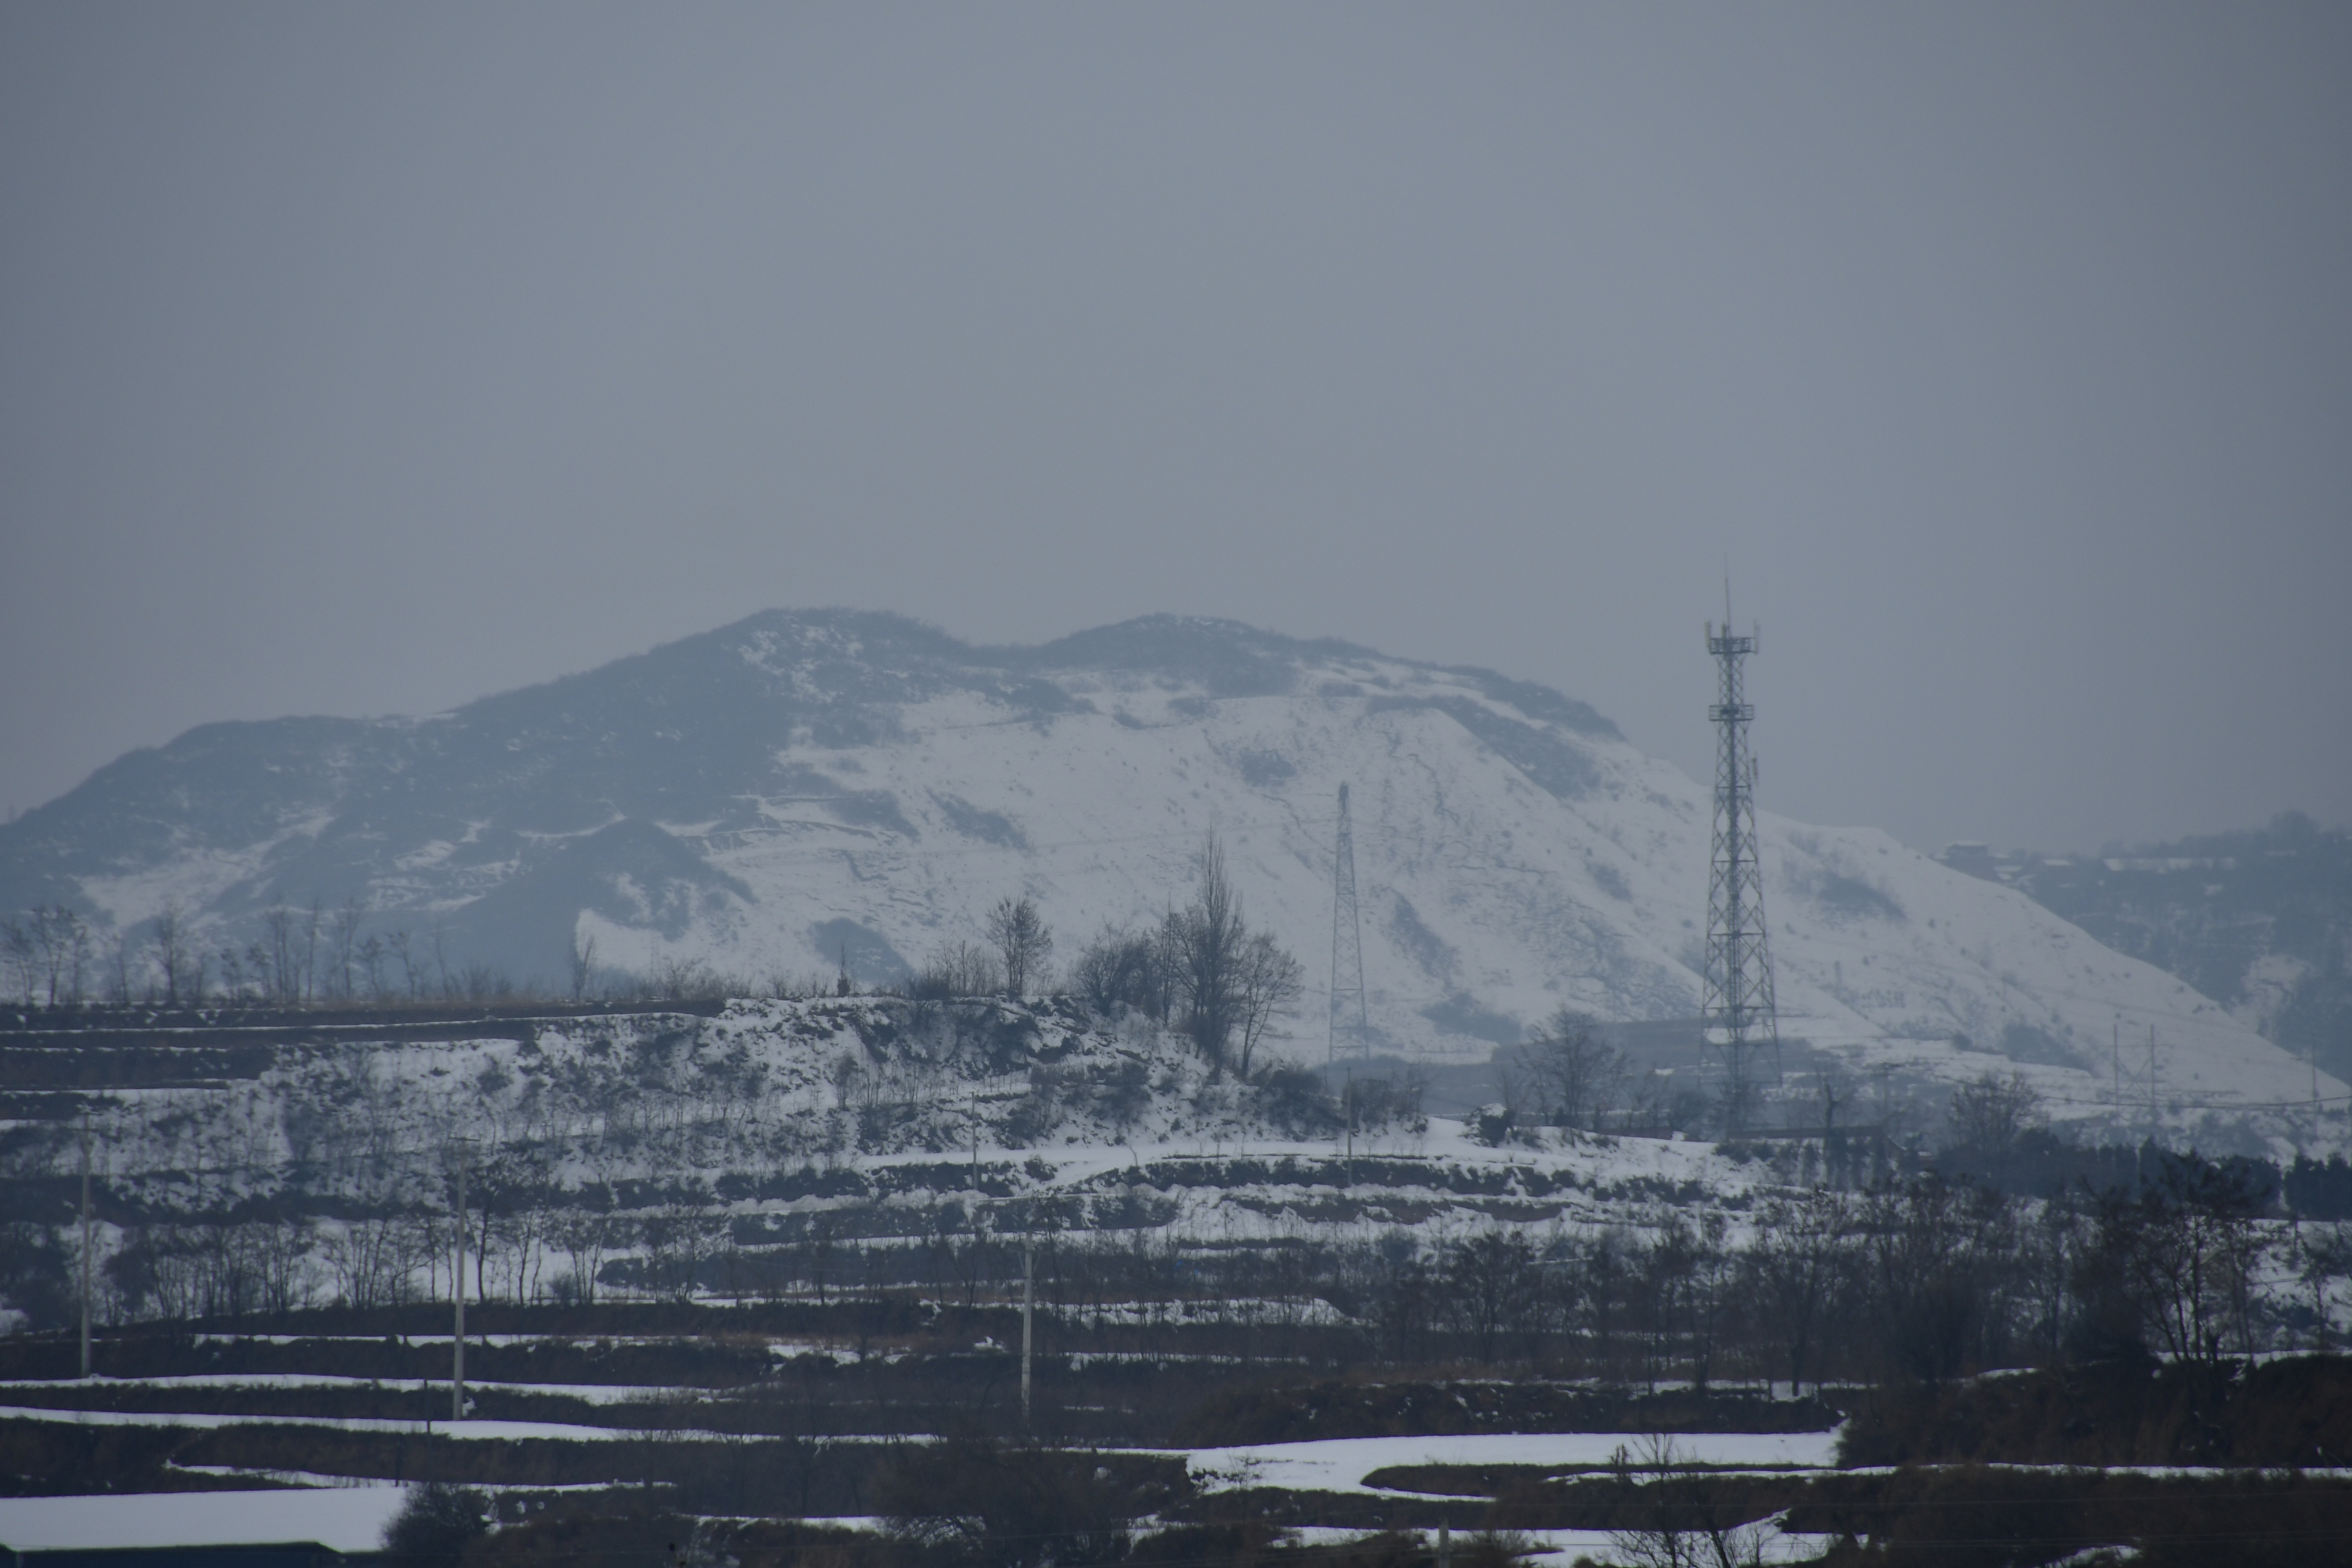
x=1350 y=1022
x=1739 y=1011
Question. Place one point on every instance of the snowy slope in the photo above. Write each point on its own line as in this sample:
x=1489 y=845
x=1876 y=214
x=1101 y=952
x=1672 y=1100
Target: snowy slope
x=878 y=1112
x=773 y=795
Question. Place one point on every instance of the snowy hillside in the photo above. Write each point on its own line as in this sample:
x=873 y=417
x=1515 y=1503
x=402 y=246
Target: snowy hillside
x=634 y=1150
x=773 y=796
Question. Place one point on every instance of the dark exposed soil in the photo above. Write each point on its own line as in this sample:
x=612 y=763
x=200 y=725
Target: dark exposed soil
x=1352 y=1408
x=2294 y=1411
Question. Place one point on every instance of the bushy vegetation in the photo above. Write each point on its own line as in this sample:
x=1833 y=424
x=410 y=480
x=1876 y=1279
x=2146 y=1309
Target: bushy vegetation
x=435 y=1523
x=1917 y=1283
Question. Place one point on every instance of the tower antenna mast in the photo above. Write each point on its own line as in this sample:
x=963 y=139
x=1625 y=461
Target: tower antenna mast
x=1349 y=1021
x=1739 y=1012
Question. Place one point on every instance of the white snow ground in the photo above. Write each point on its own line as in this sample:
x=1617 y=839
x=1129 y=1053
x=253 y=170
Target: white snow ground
x=348 y=1519
x=1770 y=1545
x=1340 y=1464
x=462 y=1431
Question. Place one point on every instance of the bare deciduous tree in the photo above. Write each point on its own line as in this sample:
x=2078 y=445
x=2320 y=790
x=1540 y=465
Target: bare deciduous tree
x=1577 y=1071
x=2187 y=1250
x=411 y=979
x=170 y=950
x=20 y=954
x=1678 y=1521
x=583 y=963
x=47 y=956
x=1492 y=1284
x=1519 y=1101
x=284 y=961
x=119 y=969
x=2321 y=1253
x=1122 y=969
x=1988 y=1114
x=1270 y=982
x=310 y=918
x=1023 y=943
x=1796 y=1263
x=1208 y=936
x=344 y=937
x=957 y=969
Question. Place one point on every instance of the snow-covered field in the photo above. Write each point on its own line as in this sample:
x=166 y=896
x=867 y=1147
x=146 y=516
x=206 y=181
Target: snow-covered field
x=587 y=1393
x=1769 y=1545
x=632 y=1147
x=1340 y=1464
x=774 y=1111
x=346 y=1519
x=462 y=1431
x=1333 y=1477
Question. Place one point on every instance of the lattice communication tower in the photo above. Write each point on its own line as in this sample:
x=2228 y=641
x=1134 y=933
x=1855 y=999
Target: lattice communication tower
x=1350 y=1023
x=1738 y=1011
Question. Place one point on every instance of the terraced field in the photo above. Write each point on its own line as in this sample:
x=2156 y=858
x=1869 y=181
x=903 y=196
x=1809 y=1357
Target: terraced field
x=786 y=1409
x=755 y=1278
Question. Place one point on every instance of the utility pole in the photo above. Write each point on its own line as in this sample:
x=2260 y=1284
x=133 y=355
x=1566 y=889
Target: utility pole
x=2152 y=1113
x=1351 y=1128
x=85 y=1241
x=1886 y=1122
x=1349 y=1021
x=2115 y=1053
x=1028 y=1318
x=458 y=1291
x=1740 y=1010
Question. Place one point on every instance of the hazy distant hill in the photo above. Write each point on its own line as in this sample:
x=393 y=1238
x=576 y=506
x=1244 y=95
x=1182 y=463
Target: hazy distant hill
x=2261 y=922
x=771 y=795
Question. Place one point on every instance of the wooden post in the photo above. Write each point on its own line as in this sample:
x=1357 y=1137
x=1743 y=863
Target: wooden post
x=458 y=1291
x=1028 y=1311
x=85 y=1241
x=1351 y=1127
x=2116 y=1065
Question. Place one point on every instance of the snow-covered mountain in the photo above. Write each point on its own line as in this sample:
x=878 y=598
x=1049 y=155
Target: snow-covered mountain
x=770 y=796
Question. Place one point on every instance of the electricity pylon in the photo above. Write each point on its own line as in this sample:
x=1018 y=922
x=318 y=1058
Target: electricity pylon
x=1739 y=1011
x=1348 y=1019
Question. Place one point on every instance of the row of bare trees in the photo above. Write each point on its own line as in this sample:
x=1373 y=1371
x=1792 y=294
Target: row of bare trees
x=197 y=1266
x=47 y=957
x=1570 y=1074
x=1922 y=1282
x=305 y=955
x=51 y=958
x=1202 y=970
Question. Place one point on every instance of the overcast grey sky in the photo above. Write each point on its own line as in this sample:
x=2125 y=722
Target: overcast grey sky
x=369 y=359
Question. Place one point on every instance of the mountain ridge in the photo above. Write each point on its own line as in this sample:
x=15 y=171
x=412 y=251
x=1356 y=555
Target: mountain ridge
x=771 y=795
